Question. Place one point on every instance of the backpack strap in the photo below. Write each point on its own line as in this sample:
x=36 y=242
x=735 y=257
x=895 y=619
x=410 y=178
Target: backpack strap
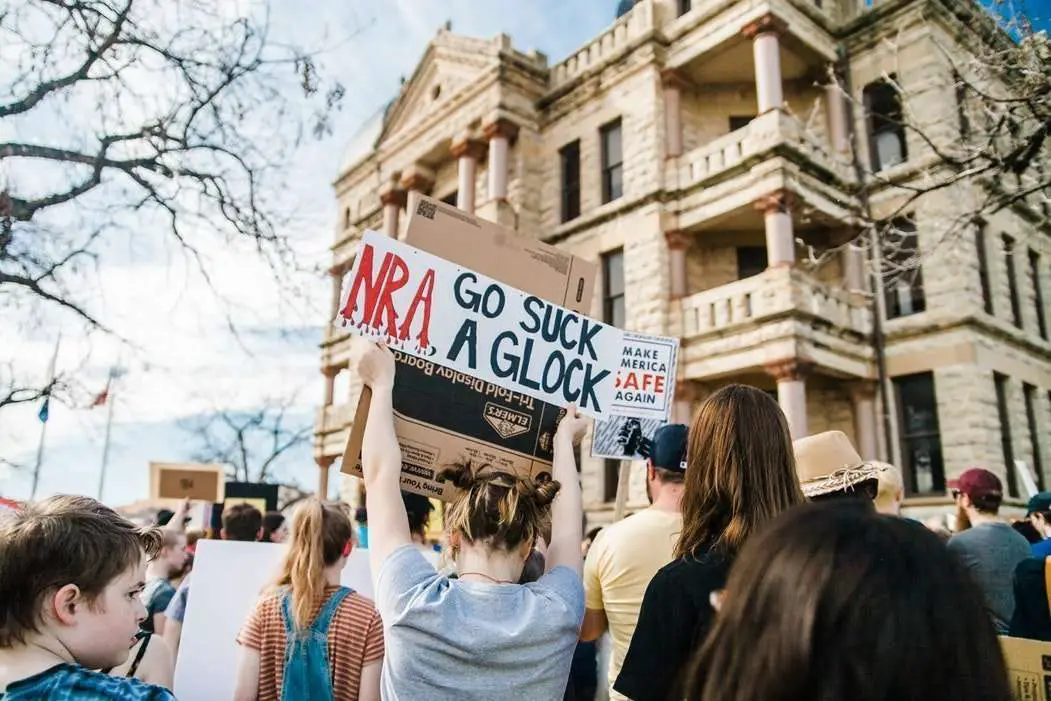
x=138 y=656
x=328 y=611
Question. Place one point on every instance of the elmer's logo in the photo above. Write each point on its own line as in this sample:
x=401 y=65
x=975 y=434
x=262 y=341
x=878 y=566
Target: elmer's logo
x=506 y=422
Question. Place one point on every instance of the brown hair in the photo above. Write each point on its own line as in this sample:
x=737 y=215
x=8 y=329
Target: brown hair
x=740 y=472
x=320 y=532
x=242 y=522
x=59 y=541
x=497 y=508
x=835 y=601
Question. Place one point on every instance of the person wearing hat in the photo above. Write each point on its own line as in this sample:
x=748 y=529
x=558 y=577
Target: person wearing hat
x=830 y=468
x=625 y=556
x=989 y=548
x=1038 y=513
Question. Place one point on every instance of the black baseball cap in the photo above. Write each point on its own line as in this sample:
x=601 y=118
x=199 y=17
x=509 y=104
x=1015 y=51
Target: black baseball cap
x=669 y=448
x=1039 y=502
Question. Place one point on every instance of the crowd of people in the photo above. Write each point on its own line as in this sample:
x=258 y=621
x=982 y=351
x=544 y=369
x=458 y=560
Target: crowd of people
x=762 y=569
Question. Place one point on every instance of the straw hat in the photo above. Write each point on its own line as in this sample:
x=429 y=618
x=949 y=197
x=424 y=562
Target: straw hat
x=827 y=462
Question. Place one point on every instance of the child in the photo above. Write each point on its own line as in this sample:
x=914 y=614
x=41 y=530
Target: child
x=73 y=571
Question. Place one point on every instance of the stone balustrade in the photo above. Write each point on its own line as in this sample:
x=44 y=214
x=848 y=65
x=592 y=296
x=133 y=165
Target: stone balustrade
x=762 y=134
x=773 y=292
x=635 y=24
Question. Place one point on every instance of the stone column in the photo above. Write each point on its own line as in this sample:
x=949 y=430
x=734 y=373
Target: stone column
x=330 y=384
x=678 y=243
x=790 y=375
x=337 y=291
x=863 y=396
x=682 y=410
x=674 y=84
x=468 y=153
x=324 y=464
x=765 y=34
x=393 y=200
x=500 y=134
x=853 y=259
x=837 y=118
x=777 y=218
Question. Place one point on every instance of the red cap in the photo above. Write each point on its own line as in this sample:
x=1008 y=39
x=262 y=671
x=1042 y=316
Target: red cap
x=978 y=483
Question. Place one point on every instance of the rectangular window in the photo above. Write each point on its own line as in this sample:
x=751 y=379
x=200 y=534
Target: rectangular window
x=983 y=269
x=570 y=166
x=1012 y=280
x=1005 y=432
x=613 y=310
x=1038 y=292
x=1034 y=433
x=740 y=121
x=921 y=445
x=612 y=162
x=684 y=7
x=611 y=468
x=886 y=127
x=902 y=269
x=751 y=260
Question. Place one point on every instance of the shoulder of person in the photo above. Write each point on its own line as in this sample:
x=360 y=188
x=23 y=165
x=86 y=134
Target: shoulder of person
x=88 y=685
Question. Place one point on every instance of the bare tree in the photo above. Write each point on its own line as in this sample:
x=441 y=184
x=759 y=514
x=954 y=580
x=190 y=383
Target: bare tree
x=170 y=119
x=251 y=444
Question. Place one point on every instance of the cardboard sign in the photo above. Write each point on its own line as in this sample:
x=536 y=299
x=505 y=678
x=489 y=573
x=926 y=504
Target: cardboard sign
x=439 y=311
x=1028 y=668
x=624 y=437
x=228 y=578
x=186 y=481
x=443 y=417
x=261 y=496
x=473 y=423
x=645 y=381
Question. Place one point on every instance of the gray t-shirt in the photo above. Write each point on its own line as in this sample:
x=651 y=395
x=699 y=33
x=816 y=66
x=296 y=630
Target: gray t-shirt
x=455 y=639
x=991 y=551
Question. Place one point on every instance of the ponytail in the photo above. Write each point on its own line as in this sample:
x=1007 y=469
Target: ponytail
x=320 y=533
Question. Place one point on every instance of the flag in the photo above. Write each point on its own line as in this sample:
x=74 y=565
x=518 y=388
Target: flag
x=100 y=400
x=43 y=413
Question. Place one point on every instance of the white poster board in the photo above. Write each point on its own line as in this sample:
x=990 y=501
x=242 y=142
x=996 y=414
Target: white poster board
x=434 y=309
x=228 y=578
x=644 y=386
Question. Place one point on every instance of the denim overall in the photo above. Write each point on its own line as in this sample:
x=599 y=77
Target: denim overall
x=307 y=673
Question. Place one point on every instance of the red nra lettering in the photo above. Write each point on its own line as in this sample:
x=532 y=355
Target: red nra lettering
x=377 y=288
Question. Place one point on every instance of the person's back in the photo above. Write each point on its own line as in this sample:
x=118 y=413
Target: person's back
x=309 y=637
x=991 y=552
x=475 y=639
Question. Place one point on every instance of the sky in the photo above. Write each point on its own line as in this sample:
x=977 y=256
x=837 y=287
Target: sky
x=183 y=361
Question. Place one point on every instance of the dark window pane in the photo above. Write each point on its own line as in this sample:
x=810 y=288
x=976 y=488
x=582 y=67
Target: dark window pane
x=751 y=260
x=684 y=7
x=983 y=270
x=740 y=121
x=1012 y=281
x=612 y=159
x=924 y=469
x=616 y=184
x=570 y=157
x=902 y=270
x=613 y=273
x=450 y=199
x=1038 y=292
x=886 y=130
x=1034 y=433
x=618 y=315
x=1005 y=432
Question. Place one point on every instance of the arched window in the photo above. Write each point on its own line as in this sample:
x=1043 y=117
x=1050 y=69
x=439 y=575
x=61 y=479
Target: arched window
x=886 y=128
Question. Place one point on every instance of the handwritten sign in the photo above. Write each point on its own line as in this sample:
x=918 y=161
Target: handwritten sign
x=433 y=309
x=645 y=381
x=186 y=481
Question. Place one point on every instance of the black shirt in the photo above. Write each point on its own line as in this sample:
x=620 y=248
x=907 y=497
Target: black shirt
x=674 y=620
x=1031 y=619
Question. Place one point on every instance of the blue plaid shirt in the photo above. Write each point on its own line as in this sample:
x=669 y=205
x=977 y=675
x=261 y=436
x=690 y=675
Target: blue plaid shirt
x=67 y=682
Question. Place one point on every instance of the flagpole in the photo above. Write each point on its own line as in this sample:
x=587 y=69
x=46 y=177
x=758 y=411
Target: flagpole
x=43 y=419
x=109 y=427
x=39 y=461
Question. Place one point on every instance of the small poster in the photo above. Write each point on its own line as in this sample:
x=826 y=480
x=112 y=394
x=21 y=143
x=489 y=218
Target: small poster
x=624 y=437
x=645 y=383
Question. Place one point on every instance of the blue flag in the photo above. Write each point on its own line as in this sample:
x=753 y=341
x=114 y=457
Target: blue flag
x=43 y=413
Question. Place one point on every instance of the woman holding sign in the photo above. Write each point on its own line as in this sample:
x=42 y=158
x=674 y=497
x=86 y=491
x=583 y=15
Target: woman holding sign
x=481 y=636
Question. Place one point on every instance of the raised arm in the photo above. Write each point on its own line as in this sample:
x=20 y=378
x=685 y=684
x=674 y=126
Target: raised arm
x=177 y=523
x=381 y=460
x=568 y=508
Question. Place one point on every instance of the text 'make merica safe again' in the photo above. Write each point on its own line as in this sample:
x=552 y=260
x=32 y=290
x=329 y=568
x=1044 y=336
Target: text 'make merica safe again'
x=431 y=308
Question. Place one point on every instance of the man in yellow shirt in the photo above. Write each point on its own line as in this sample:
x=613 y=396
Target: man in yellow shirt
x=626 y=555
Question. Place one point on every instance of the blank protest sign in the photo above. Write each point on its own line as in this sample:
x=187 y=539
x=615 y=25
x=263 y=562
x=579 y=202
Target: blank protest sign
x=228 y=578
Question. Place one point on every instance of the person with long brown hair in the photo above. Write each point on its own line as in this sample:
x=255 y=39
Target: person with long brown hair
x=482 y=635
x=835 y=601
x=740 y=474
x=309 y=637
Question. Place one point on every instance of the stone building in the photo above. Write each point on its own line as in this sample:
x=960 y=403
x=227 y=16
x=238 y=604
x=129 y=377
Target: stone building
x=701 y=153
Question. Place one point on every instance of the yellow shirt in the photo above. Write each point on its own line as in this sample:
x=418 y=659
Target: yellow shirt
x=619 y=567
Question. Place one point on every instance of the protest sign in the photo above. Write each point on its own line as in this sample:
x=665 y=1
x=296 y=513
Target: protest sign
x=1028 y=665
x=261 y=496
x=228 y=578
x=474 y=421
x=186 y=481
x=624 y=437
x=645 y=383
x=481 y=327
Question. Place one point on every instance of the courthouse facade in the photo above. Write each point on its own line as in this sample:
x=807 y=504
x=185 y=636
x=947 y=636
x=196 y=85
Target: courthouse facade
x=702 y=154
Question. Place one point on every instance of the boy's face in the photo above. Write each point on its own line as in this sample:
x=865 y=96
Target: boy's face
x=175 y=556
x=101 y=634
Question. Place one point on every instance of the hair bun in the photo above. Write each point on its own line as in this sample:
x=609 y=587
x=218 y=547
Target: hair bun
x=545 y=493
x=460 y=474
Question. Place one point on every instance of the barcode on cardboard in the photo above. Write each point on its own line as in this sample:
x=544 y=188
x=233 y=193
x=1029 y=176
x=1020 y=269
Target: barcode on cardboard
x=426 y=209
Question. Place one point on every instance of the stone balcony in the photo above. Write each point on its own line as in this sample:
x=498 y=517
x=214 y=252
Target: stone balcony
x=774 y=131
x=782 y=312
x=331 y=426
